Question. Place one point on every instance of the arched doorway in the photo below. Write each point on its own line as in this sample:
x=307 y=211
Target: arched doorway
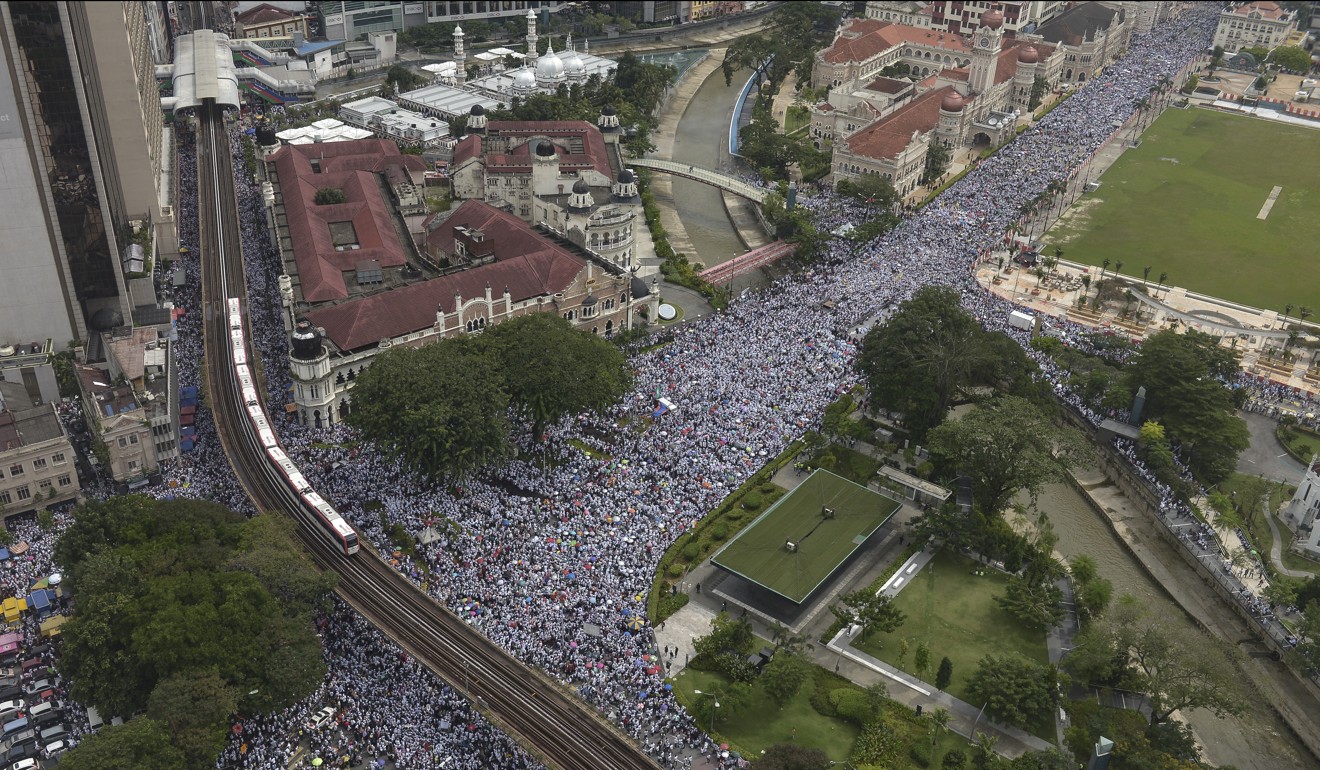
x=316 y=418
x=982 y=139
x=609 y=328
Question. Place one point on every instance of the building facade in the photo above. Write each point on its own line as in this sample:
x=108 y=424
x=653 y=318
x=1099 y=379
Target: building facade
x=1092 y=35
x=1302 y=510
x=1262 y=24
x=267 y=21
x=352 y=19
x=83 y=149
x=131 y=405
x=964 y=16
x=37 y=461
x=566 y=175
x=498 y=267
x=885 y=126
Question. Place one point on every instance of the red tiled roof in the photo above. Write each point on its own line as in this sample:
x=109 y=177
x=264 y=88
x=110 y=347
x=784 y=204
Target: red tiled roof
x=862 y=39
x=888 y=136
x=594 y=154
x=347 y=166
x=528 y=263
x=264 y=14
x=467 y=148
x=1265 y=8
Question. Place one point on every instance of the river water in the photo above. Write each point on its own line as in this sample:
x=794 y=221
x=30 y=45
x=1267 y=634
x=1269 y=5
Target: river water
x=703 y=140
x=1256 y=740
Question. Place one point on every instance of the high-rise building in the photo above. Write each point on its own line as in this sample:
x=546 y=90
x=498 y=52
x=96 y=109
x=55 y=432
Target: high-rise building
x=82 y=145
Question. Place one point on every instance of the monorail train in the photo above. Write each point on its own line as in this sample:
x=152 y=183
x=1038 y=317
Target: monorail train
x=328 y=523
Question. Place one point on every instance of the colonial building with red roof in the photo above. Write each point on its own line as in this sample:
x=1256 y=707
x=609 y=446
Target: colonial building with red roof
x=267 y=21
x=974 y=95
x=1262 y=24
x=495 y=267
x=328 y=241
x=568 y=175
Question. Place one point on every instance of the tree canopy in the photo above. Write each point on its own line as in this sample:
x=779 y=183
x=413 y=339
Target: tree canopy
x=184 y=606
x=1006 y=446
x=441 y=408
x=553 y=370
x=1178 y=668
x=1184 y=376
x=138 y=744
x=1014 y=689
x=1292 y=57
x=791 y=756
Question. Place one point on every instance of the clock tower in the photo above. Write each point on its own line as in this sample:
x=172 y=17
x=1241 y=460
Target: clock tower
x=986 y=44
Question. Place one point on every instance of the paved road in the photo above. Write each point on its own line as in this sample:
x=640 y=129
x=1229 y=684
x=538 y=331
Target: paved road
x=1265 y=457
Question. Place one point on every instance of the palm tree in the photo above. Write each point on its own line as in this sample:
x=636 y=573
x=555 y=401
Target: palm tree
x=1145 y=273
x=1086 y=285
x=1286 y=310
x=985 y=745
x=1118 y=267
x=1163 y=277
x=939 y=722
x=1105 y=266
x=1304 y=312
x=788 y=642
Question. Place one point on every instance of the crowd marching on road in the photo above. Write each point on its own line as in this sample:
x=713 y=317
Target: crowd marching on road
x=551 y=560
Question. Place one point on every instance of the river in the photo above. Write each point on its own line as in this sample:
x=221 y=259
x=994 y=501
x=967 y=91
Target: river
x=703 y=136
x=1257 y=740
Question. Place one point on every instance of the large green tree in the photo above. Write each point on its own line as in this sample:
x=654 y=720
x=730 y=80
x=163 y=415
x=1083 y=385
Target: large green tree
x=1005 y=446
x=1292 y=57
x=784 y=675
x=173 y=618
x=553 y=370
x=1184 y=376
x=1014 y=689
x=442 y=408
x=139 y=744
x=1177 y=667
x=922 y=360
x=870 y=610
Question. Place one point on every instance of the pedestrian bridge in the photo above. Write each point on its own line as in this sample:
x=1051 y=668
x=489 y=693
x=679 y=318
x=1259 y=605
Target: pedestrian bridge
x=703 y=175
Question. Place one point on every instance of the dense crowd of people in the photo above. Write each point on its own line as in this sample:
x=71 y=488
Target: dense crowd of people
x=552 y=555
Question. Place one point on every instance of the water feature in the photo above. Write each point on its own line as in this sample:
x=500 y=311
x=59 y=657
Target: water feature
x=1258 y=739
x=701 y=137
x=679 y=60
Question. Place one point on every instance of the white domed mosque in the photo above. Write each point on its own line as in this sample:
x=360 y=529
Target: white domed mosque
x=542 y=73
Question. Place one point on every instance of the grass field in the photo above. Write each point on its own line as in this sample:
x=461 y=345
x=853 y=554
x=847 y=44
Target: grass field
x=758 y=552
x=955 y=614
x=1185 y=203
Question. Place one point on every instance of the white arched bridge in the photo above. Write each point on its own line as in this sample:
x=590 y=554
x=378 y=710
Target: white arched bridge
x=703 y=175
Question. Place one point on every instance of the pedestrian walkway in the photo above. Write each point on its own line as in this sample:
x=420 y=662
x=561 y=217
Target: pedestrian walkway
x=1276 y=551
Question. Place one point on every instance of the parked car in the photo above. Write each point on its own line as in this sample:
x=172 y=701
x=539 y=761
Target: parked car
x=39 y=685
x=23 y=750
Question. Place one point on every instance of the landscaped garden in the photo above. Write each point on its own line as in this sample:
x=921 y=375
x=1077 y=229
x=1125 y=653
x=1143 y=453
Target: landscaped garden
x=950 y=606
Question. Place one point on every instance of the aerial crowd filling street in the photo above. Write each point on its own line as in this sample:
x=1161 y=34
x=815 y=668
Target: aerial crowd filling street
x=547 y=552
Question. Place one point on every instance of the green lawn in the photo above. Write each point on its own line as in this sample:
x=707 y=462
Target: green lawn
x=954 y=612
x=758 y=552
x=1195 y=218
x=762 y=724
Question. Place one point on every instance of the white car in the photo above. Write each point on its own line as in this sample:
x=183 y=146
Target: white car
x=58 y=747
x=24 y=764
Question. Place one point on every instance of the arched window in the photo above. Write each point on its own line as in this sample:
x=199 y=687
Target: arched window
x=623 y=298
x=351 y=375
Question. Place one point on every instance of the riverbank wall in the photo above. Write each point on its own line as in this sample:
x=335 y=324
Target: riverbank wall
x=1295 y=699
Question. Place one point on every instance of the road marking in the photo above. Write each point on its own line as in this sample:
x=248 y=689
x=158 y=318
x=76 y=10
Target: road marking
x=1248 y=459
x=1269 y=202
x=1285 y=454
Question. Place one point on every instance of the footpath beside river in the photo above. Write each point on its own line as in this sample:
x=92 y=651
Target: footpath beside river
x=1273 y=685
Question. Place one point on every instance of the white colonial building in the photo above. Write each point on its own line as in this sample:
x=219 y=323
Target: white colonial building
x=1260 y=24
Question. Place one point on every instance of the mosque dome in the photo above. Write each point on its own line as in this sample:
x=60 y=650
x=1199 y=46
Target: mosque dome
x=1028 y=54
x=573 y=66
x=952 y=102
x=581 y=186
x=993 y=18
x=524 y=79
x=549 y=68
x=477 y=109
x=608 y=110
x=627 y=176
x=545 y=149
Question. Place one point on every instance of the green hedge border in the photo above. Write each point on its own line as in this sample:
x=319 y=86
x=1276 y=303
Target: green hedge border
x=674 y=554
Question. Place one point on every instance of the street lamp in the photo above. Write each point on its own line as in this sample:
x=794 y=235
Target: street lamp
x=713 y=700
